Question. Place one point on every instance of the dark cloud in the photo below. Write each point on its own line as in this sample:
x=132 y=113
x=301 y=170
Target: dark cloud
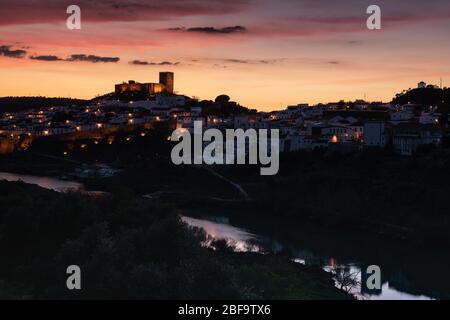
x=242 y=61
x=333 y=62
x=77 y=57
x=212 y=30
x=228 y=62
x=6 y=51
x=273 y=61
x=147 y=63
x=46 y=58
x=92 y=58
x=167 y=63
x=49 y=11
x=237 y=61
x=140 y=63
x=219 y=66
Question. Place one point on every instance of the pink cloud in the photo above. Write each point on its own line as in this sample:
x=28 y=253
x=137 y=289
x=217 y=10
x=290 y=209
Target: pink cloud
x=15 y=12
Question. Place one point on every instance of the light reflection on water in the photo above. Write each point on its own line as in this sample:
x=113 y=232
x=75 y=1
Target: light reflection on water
x=242 y=240
x=49 y=183
x=44 y=182
x=220 y=228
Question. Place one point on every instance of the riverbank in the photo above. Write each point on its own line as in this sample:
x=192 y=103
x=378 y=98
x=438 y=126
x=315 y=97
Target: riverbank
x=375 y=208
x=403 y=199
x=409 y=273
x=310 y=245
x=131 y=248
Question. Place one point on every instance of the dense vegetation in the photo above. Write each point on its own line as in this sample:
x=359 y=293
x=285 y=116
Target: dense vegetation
x=221 y=106
x=381 y=193
x=406 y=199
x=122 y=239
x=128 y=247
x=144 y=161
x=376 y=192
x=430 y=96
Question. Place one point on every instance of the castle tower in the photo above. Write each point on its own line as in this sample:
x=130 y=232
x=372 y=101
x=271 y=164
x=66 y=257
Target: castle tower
x=167 y=79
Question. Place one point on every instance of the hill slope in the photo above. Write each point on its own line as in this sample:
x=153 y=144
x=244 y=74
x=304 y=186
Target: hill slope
x=14 y=104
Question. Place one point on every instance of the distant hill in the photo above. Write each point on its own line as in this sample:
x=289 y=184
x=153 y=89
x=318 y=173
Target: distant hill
x=429 y=96
x=14 y=104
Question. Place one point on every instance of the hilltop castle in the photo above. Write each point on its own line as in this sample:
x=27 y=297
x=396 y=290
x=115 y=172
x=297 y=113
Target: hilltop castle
x=165 y=85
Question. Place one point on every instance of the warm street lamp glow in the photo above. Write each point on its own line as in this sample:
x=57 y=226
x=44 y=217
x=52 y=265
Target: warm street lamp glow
x=334 y=139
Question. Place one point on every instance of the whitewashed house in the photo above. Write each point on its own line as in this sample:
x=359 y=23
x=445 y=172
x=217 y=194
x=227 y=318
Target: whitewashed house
x=375 y=134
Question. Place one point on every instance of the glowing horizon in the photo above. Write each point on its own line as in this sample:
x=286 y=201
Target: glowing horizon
x=264 y=54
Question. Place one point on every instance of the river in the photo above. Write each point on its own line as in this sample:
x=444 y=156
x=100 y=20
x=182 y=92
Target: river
x=407 y=273
x=54 y=184
x=50 y=183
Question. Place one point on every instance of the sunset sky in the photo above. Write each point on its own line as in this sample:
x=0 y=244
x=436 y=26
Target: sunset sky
x=265 y=54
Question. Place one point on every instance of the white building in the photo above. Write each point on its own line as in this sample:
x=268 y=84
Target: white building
x=407 y=138
x=429 y=118
x=342 y=133
x=402 y=116
x=375 y=134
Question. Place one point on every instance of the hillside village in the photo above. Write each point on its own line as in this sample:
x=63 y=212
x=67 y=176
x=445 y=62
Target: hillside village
x=346 y=127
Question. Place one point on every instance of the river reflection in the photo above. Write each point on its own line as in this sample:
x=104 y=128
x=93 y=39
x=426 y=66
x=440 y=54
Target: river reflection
x=395 y=284
x=239 y=239
x=408 y=274
x=49 y=183
x=44 y=182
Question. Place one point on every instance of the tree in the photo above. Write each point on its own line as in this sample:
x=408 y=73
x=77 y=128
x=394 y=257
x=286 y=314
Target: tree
x=222 y=99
